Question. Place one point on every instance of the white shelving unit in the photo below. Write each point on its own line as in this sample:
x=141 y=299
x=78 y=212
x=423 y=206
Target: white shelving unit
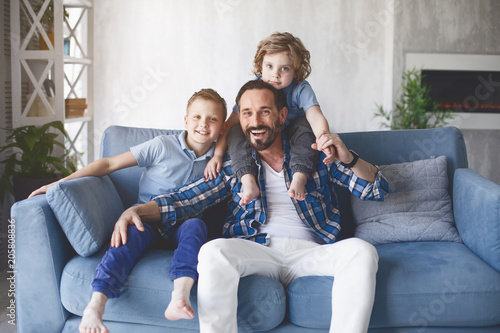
x=42 y=79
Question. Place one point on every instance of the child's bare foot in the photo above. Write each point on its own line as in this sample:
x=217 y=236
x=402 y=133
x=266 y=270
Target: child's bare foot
x=179 y=308
x=250 y=189
x=297 y=186
x=92 y=315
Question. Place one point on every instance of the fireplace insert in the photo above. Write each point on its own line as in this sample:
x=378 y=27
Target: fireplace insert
x=464 y=91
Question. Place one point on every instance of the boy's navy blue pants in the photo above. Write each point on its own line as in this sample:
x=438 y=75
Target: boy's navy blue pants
x=117 y=263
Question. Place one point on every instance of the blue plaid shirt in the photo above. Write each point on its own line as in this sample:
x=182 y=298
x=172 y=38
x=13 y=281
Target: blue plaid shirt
x=320 y=210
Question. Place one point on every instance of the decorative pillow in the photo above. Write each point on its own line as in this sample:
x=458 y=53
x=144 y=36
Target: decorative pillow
x=87 y=210
x=417 y=208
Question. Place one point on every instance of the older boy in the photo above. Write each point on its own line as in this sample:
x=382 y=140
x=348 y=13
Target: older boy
x=170 y=161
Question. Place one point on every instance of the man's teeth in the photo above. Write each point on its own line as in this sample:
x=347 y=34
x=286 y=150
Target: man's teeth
x=258 y=131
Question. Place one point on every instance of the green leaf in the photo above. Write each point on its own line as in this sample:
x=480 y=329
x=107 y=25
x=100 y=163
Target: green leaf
x=32 y=153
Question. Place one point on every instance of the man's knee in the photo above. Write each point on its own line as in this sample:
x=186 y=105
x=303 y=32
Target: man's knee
x=364 y=253
x=220 y=250
x=212 y=249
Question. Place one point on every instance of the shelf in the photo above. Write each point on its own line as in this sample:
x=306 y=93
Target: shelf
x=36 y=73
x=77 y=3
x=36 y=54
x=76 y=60
x=46 y=55
x=78 y=119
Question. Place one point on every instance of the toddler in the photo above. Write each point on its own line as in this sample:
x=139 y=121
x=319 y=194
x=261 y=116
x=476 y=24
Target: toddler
x=282 y=61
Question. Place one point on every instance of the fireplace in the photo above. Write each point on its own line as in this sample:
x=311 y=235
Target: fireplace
x=464 y=91
x=468 y=85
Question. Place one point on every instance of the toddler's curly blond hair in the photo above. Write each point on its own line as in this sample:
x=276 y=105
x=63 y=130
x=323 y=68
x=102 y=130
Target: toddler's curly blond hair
x=284 y=42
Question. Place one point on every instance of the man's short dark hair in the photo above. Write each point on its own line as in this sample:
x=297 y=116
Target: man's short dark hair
x=279 y=96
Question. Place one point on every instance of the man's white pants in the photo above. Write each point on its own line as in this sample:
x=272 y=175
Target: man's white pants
x=352 y=262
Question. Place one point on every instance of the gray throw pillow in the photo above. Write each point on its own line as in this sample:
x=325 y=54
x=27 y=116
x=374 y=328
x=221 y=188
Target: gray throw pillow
x=418 y=207
x=87 y=209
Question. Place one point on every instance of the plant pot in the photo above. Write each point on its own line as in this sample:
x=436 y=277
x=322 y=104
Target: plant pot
x=24 y=186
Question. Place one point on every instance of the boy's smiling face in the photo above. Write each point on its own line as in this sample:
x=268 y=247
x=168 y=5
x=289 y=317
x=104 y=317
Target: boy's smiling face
x=277 y=69
x=204 y=122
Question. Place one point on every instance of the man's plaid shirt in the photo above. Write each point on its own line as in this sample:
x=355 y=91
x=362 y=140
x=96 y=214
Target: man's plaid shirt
x=319 y=210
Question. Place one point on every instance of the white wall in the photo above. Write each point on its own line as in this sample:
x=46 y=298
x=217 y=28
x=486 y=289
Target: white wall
x=152 y=55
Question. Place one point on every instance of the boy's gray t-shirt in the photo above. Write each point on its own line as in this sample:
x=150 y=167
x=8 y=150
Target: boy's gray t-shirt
x=169 y=164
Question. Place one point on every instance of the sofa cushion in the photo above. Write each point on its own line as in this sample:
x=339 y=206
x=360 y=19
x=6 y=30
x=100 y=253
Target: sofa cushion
x=87 y=210
x=418 y=207
x=146 y=294
x=419 y=284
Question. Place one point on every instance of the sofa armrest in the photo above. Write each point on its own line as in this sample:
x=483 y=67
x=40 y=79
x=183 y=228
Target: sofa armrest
x=476 y=206
x=42 y=251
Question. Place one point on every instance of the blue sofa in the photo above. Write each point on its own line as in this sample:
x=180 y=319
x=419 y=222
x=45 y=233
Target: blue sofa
x=421 y=286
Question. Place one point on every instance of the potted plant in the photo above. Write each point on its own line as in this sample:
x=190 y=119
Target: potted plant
x=415 y=109
x=32 y=162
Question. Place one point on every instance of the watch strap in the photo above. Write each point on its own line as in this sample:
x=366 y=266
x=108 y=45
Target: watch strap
x=355 y=158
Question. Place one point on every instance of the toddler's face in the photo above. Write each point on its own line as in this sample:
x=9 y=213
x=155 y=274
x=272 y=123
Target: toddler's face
x=277 y=69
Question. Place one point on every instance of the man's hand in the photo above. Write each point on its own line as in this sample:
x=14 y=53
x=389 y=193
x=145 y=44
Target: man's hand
x=333 y=147
x=362 y=169
x=129 y=217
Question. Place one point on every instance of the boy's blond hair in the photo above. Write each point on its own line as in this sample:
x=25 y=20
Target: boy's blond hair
x=211 y=95
x=284 y=42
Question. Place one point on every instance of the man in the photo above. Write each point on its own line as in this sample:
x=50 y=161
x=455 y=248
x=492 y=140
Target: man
x=299 y=236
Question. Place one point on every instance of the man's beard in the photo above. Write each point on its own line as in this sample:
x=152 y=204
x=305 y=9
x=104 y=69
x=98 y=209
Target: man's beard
x=261 y=144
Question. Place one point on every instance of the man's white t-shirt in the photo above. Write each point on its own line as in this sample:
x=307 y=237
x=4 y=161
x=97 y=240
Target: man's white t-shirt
x=282 y=219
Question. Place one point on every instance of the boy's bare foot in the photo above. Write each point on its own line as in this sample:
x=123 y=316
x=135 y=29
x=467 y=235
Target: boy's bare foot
x=297 y=186
x=250 y=189
x=92 y=315
x=179 y=308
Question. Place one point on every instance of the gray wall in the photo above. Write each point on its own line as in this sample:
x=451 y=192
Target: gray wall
x=150 y=56
x=452 y=26
x=483 y=152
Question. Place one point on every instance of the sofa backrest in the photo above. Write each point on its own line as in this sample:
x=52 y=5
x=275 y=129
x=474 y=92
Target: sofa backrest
x=378 y=147
x=390 y=147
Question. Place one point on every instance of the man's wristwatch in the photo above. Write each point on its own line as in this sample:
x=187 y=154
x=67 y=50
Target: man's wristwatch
x=355 y=158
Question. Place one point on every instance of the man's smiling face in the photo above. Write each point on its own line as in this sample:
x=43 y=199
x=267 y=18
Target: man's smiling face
x=259 y=118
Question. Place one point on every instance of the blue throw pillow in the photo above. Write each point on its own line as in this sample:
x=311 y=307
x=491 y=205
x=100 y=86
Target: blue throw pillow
x=418 y=207
x=87 y=210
